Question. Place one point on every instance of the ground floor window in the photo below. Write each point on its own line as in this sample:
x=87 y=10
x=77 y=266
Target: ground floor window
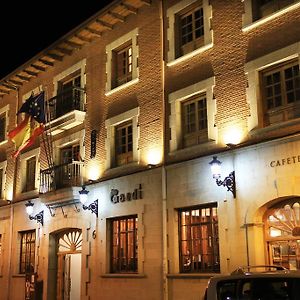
x=124 y=248
x=283 y=234
x=27 y=253
x=199 y=239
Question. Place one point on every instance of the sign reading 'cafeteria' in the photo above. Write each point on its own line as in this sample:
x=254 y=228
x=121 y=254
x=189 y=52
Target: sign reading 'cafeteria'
x=285 y=161
x=116 y=196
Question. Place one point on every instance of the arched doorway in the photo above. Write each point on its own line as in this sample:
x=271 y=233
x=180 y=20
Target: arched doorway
x=283 y=233
x=65 y=264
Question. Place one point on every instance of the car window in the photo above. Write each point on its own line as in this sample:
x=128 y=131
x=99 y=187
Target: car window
x=259 y=289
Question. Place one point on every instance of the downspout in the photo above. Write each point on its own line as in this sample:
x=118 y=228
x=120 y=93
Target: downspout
x=164 y=175
x=247 y=238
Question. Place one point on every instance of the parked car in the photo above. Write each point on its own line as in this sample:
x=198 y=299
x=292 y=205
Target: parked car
x=255 y=283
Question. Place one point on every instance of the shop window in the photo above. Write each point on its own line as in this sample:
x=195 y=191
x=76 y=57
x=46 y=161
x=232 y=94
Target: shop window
x=283 y=234
x=27 y=252
x=194 y=113
x=281 y=93
x=189 y=28
x=122 y=62
x=192 y=116
x=199 y=240
x=124 y=245
x=122 y=139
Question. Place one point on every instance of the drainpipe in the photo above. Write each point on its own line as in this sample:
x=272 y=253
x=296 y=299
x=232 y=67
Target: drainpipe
x=247 y=238
x=164 y=175
x=10 y=250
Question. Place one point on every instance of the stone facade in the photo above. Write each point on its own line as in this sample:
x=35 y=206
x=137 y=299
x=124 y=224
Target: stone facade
x=163 y=178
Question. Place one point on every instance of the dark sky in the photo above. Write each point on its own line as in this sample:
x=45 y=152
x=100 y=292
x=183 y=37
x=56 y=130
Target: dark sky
x=28 y=27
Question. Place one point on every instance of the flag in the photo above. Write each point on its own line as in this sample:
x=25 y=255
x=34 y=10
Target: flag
x=32 y=126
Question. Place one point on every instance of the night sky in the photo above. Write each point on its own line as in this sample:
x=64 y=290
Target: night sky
x=28 y=27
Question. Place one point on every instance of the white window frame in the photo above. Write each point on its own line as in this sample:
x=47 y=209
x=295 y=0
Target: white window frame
x=253 y=69
x=23 y=165
x=110 y=125
x=249 y=24
x=3 y=167
x=175 y=119
x=171 y=36
x=130 y=36
x=5 y=110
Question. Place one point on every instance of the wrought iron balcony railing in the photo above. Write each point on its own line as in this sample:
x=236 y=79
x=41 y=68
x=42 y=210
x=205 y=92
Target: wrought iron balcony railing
x=61 y=176
x=67 y=101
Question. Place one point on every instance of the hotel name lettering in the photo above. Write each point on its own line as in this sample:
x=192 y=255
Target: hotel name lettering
x=285 y=161
x=117 y=197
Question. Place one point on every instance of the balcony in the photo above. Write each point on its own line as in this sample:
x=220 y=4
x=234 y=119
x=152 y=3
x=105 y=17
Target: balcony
x=66 y=110
x=61 y=176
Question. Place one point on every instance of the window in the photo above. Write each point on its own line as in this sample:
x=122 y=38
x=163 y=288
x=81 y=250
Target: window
x=121 y=143
x=199 y=239
x=273 y=89
x=122 y=65
x=124 y=143
x=281 y=93
x=258 y=12
x=189 y=31
x=192 y=116
x=2 y=127
x=124 y=245
x=122 y=62
x=194 y=113
x=27 y=252
x=1 y=183
x=30 y=174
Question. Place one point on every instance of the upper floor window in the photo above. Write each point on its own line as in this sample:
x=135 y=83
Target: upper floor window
x=27 y=252
x=199 y=239
x=122 y=65
x=194 y=113
x=281 y=92
x=122 y=62
x=258 y=12
x=122 y=139
x=189 y=31
x=124 y=143
x=124 y=245
x=3 y=123
x=30 y=174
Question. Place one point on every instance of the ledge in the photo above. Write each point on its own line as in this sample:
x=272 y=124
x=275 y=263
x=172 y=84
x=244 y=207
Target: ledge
x=124 y=275
x=192 y=276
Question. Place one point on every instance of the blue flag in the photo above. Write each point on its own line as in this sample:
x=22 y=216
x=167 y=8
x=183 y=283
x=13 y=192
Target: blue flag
x=35 y=107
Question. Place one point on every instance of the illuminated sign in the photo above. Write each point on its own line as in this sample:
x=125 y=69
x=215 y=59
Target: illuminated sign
x=117 y=197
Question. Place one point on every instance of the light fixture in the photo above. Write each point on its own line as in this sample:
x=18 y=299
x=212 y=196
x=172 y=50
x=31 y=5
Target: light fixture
x=229 y=181
x=83 y=195
x=38 y=217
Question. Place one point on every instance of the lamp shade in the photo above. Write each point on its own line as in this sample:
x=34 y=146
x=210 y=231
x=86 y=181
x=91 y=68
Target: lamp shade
x=215 y=166
x=29 y=207
x=83 y=195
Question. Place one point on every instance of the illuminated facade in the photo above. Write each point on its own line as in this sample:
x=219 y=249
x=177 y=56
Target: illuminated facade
x=139 y=100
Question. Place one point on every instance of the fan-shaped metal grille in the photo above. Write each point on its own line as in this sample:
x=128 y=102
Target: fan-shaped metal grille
x=283 y=222
x=70 y=242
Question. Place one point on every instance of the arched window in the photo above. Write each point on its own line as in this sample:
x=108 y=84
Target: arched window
x=283 y=234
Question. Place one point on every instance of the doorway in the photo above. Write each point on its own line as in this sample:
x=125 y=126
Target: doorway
x=64 y=281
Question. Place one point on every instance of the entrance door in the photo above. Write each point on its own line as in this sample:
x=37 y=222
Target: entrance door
x=69 y=265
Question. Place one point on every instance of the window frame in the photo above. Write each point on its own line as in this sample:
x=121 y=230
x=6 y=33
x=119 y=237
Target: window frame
x=129 y=266
x=4 y=111
x=23 y=266
x=110 y=141
x=176 y=10
x=175 y=119
x=191 y=259
x=130 y=38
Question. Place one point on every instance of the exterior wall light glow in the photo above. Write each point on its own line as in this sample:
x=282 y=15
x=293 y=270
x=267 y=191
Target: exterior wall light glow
x=83 y=195
x=38 y=217
x=228 y=182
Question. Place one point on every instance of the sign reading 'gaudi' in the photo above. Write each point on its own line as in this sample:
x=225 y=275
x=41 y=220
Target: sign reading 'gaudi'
x=117 y=197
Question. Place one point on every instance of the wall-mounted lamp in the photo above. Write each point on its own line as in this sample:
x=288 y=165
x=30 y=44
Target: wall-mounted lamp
x=228 y=181
x=38 y=217
x=83 y=196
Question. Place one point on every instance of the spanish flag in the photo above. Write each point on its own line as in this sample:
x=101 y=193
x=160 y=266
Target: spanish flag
x=32 y=126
